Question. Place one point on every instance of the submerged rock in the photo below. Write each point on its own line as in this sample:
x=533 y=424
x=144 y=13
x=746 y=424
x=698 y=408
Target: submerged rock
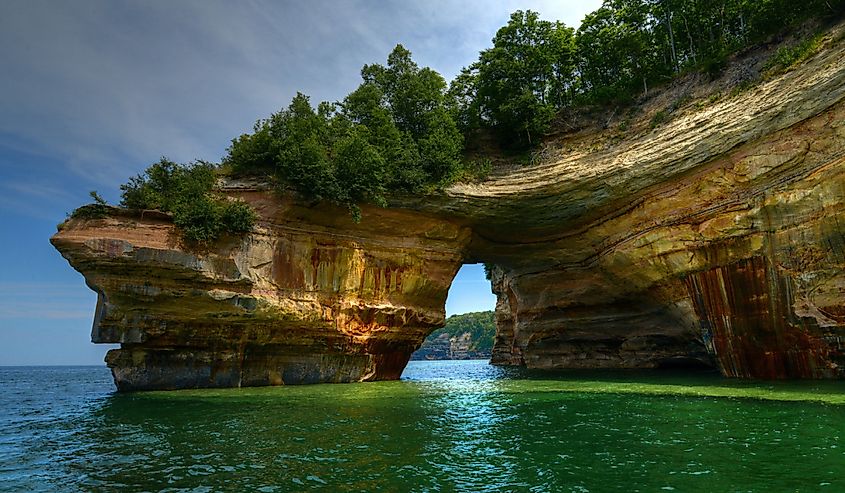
x=717 y=239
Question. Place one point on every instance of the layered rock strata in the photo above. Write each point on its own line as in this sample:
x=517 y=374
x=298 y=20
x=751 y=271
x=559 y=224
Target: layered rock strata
x=723 y=232
x=718 y=239
x=308 y=297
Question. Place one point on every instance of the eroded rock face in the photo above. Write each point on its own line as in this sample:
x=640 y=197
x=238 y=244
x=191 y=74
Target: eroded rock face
x=721 y=238
x=310 y=300
x=718 y=239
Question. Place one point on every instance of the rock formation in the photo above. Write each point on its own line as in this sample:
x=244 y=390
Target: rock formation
x=464 y=336
x=716 y=239
x=309 y=297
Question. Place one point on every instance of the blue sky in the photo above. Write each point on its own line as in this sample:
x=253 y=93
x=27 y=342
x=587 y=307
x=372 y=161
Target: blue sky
x=92 y=92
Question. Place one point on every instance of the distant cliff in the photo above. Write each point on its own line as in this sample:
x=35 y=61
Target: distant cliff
x=465 y=336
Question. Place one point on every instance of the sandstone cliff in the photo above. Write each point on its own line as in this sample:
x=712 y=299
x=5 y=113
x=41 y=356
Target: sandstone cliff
x=308 y=297
x=716 y=239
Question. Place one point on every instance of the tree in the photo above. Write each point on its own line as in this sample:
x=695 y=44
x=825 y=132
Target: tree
x=303 y=160
x=360 y=167
x=187 y=193
x=393 y=133
x=404 y=106
x=616 y=51
x=523 y=78
x=462 y=99
x=411 y=93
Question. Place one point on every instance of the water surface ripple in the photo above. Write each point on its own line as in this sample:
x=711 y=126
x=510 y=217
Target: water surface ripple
x=447 y=426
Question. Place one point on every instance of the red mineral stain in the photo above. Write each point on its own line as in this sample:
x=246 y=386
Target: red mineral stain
x=112 y=248
x=745 y=308
x=376 y=280
x=388 y=278
x=323 y=262
x=286 y=273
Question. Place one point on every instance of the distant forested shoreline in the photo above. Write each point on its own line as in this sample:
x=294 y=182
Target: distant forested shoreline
x=465 y=336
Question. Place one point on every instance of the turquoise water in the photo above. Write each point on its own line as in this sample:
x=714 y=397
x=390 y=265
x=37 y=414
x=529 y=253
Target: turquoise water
x=447 y=426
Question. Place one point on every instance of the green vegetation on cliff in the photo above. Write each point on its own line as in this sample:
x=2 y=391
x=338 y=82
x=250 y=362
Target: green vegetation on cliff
x=480 y=325
x=469 y=335
x=186 y=191
x=392 y=134
x=537 y=68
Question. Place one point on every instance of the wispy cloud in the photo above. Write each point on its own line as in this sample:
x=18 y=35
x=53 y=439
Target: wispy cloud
x=39 y=312
x=35 y=289
x=35 y=191
x=24 y=197
x=107 y=87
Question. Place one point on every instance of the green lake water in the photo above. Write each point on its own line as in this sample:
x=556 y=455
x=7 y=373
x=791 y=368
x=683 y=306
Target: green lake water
x=446 y=426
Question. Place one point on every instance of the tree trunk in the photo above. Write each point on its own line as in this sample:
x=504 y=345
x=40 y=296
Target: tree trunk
x=669 y=17
x=691 y=42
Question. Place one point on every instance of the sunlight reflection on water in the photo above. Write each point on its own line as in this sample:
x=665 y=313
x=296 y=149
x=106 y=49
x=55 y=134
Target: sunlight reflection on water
x=447 y=426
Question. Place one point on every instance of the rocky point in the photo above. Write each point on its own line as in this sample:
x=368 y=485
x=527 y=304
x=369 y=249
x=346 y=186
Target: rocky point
x=717 y=239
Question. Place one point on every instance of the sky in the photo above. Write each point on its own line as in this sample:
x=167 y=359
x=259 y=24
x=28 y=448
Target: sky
x=92 y=92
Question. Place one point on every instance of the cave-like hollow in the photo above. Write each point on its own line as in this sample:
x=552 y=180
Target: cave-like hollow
x=561 y=319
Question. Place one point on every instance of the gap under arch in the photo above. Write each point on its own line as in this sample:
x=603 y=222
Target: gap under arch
x=470 y=315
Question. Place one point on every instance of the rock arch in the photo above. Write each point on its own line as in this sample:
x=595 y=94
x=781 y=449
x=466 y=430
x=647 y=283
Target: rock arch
x=719 y=237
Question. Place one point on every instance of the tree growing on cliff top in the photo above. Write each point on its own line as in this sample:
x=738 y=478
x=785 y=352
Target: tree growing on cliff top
x=393 y=133
x=536 y=68
x=186 y=192
x=404 y=108
x=522 y=79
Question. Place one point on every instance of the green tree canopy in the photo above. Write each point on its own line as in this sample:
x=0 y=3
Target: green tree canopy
x=187 y=192
x=523 y=78
x=393 y=133
x=480 y=325
x=535 y=68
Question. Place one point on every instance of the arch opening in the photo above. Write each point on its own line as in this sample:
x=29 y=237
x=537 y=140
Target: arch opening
x=470 y=326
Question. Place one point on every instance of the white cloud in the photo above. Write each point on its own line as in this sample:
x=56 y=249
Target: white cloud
x=107 y=87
